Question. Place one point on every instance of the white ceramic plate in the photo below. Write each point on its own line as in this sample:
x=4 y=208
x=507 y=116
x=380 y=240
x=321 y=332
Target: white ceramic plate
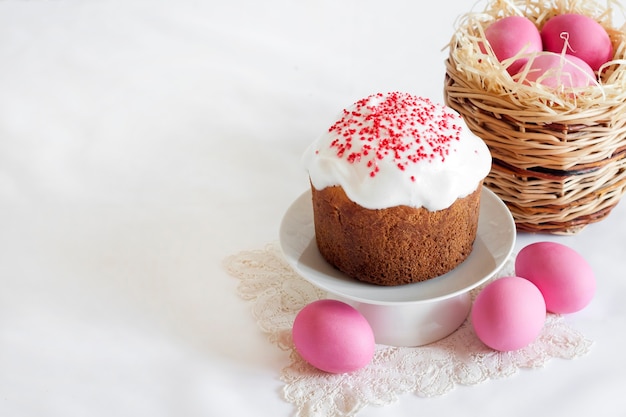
x=493 y=245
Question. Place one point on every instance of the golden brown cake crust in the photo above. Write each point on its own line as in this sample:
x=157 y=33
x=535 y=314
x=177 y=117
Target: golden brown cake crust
x=393 y=246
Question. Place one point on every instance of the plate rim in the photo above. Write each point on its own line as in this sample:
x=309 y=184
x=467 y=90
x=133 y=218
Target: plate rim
x=493 y=199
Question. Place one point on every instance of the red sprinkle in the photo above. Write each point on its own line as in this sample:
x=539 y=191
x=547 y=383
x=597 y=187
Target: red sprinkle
x=397 y=125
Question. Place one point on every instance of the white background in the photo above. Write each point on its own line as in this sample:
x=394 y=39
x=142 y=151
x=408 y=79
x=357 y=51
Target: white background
x=142 y=142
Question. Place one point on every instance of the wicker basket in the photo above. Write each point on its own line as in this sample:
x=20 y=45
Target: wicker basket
x=559 y=157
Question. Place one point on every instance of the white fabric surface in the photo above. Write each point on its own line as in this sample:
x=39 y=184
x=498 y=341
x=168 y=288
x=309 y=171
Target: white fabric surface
x=142 y=142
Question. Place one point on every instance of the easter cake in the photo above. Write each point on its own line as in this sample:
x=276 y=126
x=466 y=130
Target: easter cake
x=396 y=184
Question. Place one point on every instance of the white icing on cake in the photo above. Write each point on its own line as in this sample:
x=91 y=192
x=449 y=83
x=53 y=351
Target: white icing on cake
x=397 y=149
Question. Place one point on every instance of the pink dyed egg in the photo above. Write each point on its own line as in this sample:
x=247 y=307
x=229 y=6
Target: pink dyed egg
x=333 y=336
x=508 y=314
x=511 y=35
x=563 y=276
x=556 y=71
x=586 y=38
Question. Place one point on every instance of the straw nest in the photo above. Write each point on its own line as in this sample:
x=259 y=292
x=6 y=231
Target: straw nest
x=559 y=156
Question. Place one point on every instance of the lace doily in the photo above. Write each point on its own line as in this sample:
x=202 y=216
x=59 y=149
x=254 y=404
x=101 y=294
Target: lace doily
x=277 y=294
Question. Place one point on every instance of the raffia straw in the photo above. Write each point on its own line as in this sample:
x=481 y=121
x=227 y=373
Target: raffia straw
x=559 y=155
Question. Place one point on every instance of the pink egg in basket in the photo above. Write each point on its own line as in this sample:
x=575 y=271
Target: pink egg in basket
x=513 y=35
x=578 y=35
x=557 y=71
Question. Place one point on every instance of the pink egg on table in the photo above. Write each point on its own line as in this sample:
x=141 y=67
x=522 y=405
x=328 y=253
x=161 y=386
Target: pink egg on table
x=508 y=314
x=333 y=336
x=512 y=35
x=563 y=276
x=556 y=71
x=586 y=38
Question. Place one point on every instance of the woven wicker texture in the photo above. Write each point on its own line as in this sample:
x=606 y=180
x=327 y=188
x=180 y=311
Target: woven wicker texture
x=559 y=157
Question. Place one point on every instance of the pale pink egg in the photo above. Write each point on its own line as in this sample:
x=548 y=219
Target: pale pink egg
x=333 y=336
x=558 y=70
x=563 y=276
x=508 y=314
x=511 y=35
x=586 y=38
